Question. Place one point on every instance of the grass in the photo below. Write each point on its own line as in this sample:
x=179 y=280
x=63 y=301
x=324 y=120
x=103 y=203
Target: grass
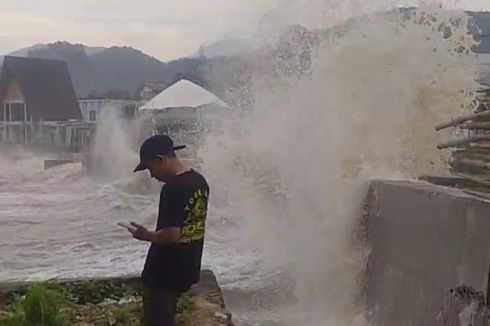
x=95 y=292
x=39 y=306
x=184 y=306
x=97 y=303
x=112 y=314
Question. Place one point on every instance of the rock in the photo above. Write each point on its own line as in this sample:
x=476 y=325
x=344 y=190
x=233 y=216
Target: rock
x=209 y=309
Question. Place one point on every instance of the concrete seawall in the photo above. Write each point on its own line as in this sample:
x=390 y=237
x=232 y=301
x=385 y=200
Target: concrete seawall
x=424 y=240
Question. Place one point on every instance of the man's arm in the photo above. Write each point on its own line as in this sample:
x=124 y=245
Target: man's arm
x=166 y=235
x=176 y=199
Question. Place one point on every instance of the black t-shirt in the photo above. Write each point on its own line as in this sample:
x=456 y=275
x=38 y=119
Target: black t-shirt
x=184 y=204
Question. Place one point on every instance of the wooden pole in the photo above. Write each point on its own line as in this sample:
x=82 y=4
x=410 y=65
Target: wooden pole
x=31 y=127
x=463 y=141
x=464 y=118
x=475 y=126
x=25 y=124
x=474 y=163
x=4 y=106
x=10 y=122
x=481 y=145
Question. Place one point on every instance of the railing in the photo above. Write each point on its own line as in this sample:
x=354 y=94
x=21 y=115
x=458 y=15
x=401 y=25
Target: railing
x=13 y=123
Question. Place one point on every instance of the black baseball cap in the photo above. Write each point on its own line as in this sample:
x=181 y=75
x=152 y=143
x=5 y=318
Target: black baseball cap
x=154 y=146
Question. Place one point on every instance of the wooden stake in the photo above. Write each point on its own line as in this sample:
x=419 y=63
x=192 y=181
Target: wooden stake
x=475 y=126
x=463 y=141
x=464 y=118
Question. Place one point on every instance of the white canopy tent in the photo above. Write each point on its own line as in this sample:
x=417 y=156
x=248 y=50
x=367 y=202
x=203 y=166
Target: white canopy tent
x=182 y=94
x=182 y=110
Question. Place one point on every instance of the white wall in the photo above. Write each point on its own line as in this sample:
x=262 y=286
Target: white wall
x=98 y=105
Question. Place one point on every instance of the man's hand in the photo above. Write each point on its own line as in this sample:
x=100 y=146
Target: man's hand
x=140 y=232
x=163 y=236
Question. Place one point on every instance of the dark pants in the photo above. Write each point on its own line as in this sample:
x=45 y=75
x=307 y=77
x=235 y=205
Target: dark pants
x=159 y=306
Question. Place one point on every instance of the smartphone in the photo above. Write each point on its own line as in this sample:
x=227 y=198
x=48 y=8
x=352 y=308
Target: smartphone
x=126 y=225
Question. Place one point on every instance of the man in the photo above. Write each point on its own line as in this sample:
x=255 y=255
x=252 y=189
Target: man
x=173 y=263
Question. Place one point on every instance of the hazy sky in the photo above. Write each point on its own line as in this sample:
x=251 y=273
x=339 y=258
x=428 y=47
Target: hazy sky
x=165 y=29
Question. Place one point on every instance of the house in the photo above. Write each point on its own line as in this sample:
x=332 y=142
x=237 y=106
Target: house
x=92 y=109
x=38 y=104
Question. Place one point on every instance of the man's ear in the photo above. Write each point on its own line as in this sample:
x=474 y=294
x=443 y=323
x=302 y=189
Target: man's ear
x=162 y=158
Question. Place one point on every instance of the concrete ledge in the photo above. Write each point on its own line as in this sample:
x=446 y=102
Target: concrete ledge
x=210 y=305
x=424 y=240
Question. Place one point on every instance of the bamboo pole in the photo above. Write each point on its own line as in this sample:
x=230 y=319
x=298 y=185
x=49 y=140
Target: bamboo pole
x=473 y=163
x=478 y=194
x=481 y=145
x=475 y=126
x=479 y=179
x=463 y=141
x=464 y=118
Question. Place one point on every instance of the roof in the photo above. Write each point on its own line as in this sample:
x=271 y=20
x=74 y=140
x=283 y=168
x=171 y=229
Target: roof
x=182 y=94
x=46 y=86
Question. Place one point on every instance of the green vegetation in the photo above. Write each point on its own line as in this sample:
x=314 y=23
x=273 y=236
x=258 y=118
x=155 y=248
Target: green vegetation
x=39 y=306
x=184 y=306
x=98 y=303
x=95 y=292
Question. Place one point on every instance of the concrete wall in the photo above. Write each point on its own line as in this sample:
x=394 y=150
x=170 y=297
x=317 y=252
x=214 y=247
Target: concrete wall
x=423 y=240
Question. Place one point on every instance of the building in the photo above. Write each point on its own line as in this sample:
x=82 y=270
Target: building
x=38 y=105
x=92 y=109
